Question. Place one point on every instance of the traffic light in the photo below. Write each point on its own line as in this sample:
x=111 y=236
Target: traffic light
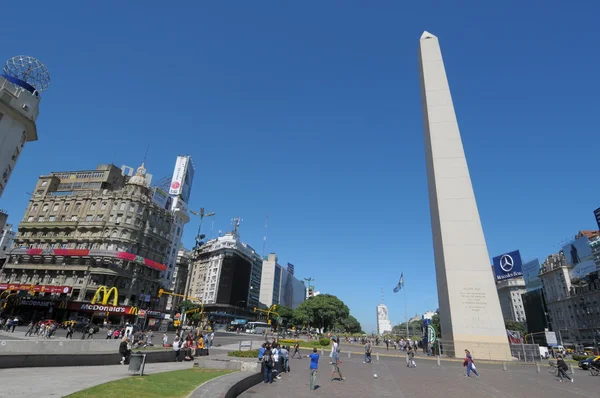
x=254 y=309
x=160 y=292
x=268 y=321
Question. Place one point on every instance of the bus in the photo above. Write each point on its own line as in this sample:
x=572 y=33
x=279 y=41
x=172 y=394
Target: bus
x=257 y=327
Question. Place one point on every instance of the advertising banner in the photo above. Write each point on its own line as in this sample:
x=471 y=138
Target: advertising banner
x=551 y=339
x=508 y=266
x=177 y=181
x=514 y=336
x=36 y=288
x=161 y=198
x=582 y=269
x=578 y=251
x=531 y=271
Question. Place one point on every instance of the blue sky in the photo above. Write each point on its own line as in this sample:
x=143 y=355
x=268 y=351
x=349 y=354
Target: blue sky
x=310 y=112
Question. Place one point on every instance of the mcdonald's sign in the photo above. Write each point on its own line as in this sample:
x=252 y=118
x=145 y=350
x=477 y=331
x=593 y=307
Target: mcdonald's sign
x=106 y=297
x=133 y=310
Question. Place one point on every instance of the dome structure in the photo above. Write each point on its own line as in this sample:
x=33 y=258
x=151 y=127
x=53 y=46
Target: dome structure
x=139 y=177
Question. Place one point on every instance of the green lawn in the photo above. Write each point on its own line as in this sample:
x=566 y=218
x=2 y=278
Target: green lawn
x=174 y=384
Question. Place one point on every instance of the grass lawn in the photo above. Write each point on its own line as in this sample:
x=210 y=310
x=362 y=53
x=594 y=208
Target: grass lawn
x=174 y=384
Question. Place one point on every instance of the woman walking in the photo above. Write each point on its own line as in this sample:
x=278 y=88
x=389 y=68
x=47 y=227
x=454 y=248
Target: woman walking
x=470 y=364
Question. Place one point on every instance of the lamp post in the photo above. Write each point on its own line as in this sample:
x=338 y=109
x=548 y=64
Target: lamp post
x=196 y=252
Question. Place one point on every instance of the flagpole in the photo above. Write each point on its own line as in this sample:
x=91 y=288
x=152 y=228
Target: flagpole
x=405 y=313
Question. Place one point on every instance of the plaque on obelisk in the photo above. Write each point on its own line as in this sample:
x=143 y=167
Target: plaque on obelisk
x=470 y=313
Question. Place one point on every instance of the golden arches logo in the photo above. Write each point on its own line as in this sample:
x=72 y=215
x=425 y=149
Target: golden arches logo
x=133 y=310
x=106 y=297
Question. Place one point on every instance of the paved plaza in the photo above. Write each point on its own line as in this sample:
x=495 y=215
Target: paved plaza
x=427 y=380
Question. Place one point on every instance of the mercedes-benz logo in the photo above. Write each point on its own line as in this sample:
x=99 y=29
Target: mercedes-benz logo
x=507 y=263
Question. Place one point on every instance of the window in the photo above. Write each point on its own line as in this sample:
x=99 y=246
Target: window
x=100 y=217
x=128 y=220
x=39 y=193
x=93 y=206
x=123 y=204
x=51 y=218
x=74 y=218
x=131 y=207
x=45 y=208
x=118 y=218
x=41 y=219
x=89 y=218
x=77 y=206
x=30 y=219
x=44 y=183
x=55 y=207
x=103 y=206
x=34 y=208
x=67 y=205
x=140 y=210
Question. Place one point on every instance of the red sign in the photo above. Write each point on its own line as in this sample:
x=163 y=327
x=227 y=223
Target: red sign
x=142 y=314
x=36 y=288
x=177 y=316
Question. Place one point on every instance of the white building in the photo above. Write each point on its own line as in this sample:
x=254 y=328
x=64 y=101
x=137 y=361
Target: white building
x=428 y=315
x=7 y=235
x=19 y=109
x=279 y=286
x=226 y=274
x=511 y=303
x=383 y=321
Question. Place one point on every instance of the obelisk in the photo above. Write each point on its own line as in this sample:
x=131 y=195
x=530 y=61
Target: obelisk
x=470 y=313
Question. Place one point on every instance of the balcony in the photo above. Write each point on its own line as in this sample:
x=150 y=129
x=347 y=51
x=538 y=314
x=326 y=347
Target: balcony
x=47 y=224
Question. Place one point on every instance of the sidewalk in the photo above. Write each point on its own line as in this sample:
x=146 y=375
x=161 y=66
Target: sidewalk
x=58 y=382
x=426 y=381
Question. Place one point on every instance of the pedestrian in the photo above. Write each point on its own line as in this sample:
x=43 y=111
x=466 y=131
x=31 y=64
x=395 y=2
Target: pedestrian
x=30 y=329
x=296 y=348
x=411 y=358
x=15 y=322
x=284 y=358
x=69 y=331
x=562 y=369
x=470 y=364
x=177 y=348
x=314 y=366
x=267 y=360
x=334 y=346
x=109 y=334
x=210 y=339
x=335 y=362
x=367 y=352
x=125 y=350
x=276 y=362
x=387 y=344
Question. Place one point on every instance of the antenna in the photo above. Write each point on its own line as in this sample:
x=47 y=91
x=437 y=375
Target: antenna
x=211 y=229
x=147 y=148
x=29 y=70
x=235 y=222
x=382 y=296
x=265 y=239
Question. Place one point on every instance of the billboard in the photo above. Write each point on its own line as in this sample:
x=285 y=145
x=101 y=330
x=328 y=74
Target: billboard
x=531 y=271
x=582 y=269
x=183 y=176
x=161 y=198
x=508 y=266
x=578 y=251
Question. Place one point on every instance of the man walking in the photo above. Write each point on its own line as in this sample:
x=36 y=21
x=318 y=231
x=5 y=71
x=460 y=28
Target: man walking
x=367 y=352
x=335 y=365
x=562 y=369
x=314 y=366
x=296 y=347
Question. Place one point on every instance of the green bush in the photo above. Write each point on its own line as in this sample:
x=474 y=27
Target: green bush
x=324 y=341
x=579 y=357
x=243 y=354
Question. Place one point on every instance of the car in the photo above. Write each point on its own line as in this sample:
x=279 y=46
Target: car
x=585 y=363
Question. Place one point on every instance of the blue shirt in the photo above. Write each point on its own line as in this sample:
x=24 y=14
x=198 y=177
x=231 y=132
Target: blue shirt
x=261 y=352
x=314 y=361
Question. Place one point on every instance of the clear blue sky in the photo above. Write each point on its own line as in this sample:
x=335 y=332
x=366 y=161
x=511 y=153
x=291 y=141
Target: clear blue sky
x=310 y=112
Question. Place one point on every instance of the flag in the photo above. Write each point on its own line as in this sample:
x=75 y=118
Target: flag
x=400 y=284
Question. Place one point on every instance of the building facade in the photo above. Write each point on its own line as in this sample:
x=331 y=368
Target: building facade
x=7 y=236
x=19 y=110
x=511 y=302
x=556 y=283
x=279 y=286
x=86 y=229
x=226 y=274
x=184 y=257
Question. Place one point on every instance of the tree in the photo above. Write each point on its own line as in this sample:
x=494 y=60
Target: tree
x=349 y=325
x=321 y=311
x=435 y=321
x=286 y=314
x=517 y=326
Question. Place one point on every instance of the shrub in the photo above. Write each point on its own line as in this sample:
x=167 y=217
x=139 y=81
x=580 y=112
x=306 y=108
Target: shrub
x=324 y=341
x=243 y=354
x=579 y=357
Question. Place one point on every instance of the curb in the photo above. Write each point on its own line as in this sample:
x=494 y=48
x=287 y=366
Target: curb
x=230 y=389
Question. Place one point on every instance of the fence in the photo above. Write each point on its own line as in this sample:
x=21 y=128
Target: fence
x=490 y=351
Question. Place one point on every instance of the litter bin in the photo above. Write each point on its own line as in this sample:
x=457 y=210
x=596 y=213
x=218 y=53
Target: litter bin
x=137 y=362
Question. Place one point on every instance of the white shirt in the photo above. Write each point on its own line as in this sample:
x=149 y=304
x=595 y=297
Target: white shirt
x=276 y=355
x=334 y=347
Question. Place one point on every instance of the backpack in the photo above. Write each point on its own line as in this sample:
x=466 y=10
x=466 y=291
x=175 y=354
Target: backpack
x=267 y=358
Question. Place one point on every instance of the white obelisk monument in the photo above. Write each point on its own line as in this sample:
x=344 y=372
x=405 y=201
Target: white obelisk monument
x=470 y=313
